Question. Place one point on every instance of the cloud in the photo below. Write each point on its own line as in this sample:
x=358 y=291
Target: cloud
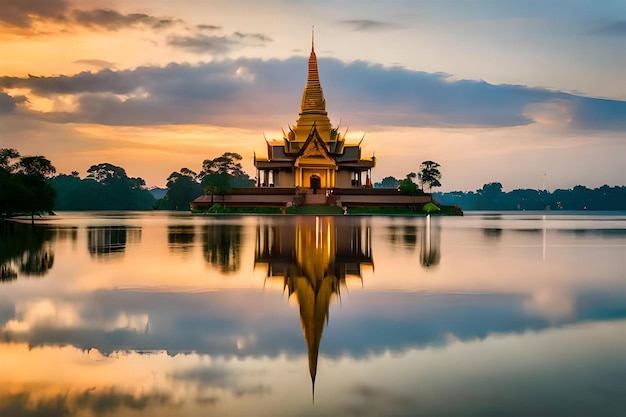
x=211 y=324
x=362 y=399
x=249 y=92
x=117 y=82
x=22 y=13
x=208 y=27
x=43 y=313
x=365 y=25
x=99 y=402
x=114 y=20
x=253 y=36
x=220 y=377
x=599 y=114
x=556 y=113
x=212 y=376
x=617 y=28
x=25 y=13
x=99 y=63
x=7 y=103
x=112 y=401
x=200 y=43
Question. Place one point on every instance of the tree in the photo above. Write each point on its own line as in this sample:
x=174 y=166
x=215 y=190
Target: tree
x=387 y=182
x=492 y=189
x=6 y=155
x=38 y=197
x=23 y=186
x=227 y=164
x=107 y=174
x=182 y=188
x=429 y=174
x=407 y=186
x=217 y=184
x=74 y=193
x=10 y=187
x=36 y=166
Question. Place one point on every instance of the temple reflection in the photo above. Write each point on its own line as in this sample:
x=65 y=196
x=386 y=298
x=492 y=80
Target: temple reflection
x=312 y=257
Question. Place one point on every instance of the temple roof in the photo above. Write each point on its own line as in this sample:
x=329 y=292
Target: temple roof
x=314 y=151
x=313 y=141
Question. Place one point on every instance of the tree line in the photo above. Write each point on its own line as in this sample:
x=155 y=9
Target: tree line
x=106 y=187
x=491 y=197
x=217 y=177
x=28 y=186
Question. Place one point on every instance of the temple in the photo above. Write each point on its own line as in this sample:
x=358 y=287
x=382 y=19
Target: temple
x=313 y=165
x=313 y=154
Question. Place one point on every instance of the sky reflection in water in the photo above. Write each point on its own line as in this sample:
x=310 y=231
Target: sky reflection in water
x=162 y=314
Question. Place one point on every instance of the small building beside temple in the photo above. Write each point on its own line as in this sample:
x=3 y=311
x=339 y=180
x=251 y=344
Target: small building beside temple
x=314 y=154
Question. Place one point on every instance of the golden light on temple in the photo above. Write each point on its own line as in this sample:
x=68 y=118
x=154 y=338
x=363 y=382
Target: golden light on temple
x=313 y=153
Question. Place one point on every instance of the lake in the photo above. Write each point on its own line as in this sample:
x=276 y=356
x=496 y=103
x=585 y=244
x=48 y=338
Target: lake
x=169 y=314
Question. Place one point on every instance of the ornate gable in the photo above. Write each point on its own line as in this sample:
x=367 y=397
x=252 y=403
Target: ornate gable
x=314 y=151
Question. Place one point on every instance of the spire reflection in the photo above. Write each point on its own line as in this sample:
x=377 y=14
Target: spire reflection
x=312 y=257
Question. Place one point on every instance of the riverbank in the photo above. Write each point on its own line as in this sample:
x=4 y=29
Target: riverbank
x=331 y=210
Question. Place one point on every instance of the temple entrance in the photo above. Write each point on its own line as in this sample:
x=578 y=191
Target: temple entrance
x=316 y=182
x=309 y=177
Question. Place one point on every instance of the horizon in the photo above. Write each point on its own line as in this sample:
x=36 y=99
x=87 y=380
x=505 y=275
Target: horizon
x=522 y=94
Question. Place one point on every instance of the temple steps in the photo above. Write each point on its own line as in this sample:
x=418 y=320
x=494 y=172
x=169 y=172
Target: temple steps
x=315 y=199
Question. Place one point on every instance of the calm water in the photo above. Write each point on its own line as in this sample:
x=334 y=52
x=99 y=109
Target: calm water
x=163 y=314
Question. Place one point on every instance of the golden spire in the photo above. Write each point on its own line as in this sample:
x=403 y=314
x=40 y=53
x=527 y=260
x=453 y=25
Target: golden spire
x=313 y=96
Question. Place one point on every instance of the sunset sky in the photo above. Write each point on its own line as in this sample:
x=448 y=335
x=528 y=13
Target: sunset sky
x=523 y=92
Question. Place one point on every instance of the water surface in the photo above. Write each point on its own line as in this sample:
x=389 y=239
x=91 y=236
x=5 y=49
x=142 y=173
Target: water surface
x=166 y=314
